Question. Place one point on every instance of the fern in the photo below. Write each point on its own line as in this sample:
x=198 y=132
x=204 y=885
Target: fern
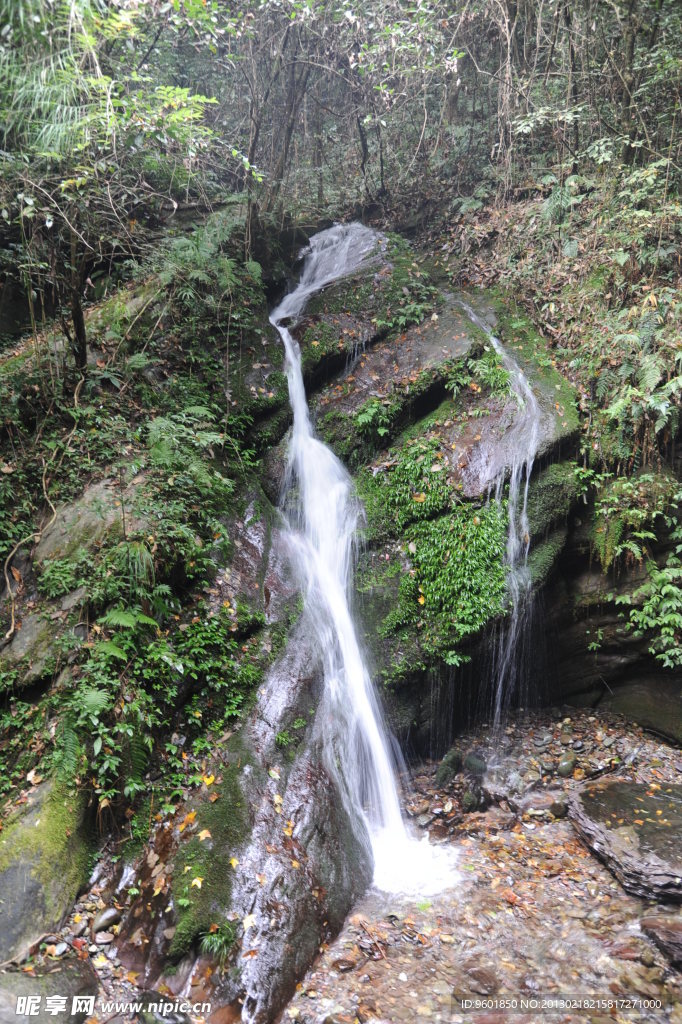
x=137 y=760
x=650 y=373
x=93 y=702
x=68 y=749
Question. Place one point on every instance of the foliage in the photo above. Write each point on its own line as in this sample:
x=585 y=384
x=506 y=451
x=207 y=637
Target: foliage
x=457 y=579
x=656 y=611
x=628 y=511
x=217 y=943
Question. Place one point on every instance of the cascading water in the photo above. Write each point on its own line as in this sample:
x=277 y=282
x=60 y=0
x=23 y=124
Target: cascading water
x=516 y=459
x=323 y=514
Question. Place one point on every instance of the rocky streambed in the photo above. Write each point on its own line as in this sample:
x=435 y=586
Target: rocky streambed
x=535 y=915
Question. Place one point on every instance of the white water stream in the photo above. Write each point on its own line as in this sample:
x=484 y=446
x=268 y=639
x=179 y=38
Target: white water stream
x=323 y=517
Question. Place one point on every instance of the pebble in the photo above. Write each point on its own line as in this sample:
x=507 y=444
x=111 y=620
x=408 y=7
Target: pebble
x=566 y=765
x=105 y=919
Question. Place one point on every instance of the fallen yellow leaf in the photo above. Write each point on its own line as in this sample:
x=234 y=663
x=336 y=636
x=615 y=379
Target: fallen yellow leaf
x=204 y=834
x=196 y=882
x=233 y=862
x=208 y=779
x=249 y=921
x=187 y=820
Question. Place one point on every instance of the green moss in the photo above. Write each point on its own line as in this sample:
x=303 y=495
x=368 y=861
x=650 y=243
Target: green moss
x=457 y=581
x=413 y=488
x=350 y=295
x=519 y=334
x=551 y=496
x=228 y=822
x=53 y=839
x=542 y=558
x=318 y=342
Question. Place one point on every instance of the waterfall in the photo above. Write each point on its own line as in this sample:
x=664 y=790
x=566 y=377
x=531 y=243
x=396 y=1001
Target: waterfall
x=323 y=515
x=515 y=458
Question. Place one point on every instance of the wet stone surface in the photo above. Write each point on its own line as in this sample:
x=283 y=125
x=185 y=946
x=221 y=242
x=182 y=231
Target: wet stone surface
x=534 y=915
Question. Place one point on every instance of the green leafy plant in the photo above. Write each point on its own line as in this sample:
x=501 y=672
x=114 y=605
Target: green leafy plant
x=219 y=942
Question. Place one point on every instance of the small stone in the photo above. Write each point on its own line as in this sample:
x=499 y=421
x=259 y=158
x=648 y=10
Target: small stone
x=609 y=741
x=566 y=765
x=60 y=949
x=104 y=938
x=578 y=745
x=402 y=976
x=559 y=807
x=105 y=919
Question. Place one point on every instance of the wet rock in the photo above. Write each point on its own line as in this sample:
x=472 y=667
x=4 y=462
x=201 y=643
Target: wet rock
x=154 y=1010
x=67 y=979
x=544 y=800
x=494 y=820
x=567 y=764
x=635 y=829
x=449 y=766
x=653 y=703
x=666 y=932
x=499 y=785
x=285 y=855
x=44 y=851
x=559 y=806
x=105 y=919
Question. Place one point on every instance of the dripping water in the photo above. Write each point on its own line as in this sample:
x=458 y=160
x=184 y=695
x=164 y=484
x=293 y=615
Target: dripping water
x=495 y=463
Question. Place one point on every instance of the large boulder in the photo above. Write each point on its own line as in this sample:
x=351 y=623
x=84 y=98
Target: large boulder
x=634 y=828
x=67 y=980
x=655 y=703
x=84 y=523
x=262 y=865
x=44 y=857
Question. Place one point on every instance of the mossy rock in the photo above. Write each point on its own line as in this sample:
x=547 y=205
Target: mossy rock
x=449 y=766
x=30 y=651
x=542 y=558
x=67 y=979
x=44 y=857
x=551 y=497
x=227 y=821
x=84 y=523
